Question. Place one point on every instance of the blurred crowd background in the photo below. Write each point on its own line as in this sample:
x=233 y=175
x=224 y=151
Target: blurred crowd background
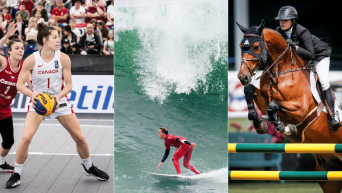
x=84 y=26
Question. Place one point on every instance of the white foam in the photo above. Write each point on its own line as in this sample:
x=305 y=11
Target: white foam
x=179 y=39
x=218 y=176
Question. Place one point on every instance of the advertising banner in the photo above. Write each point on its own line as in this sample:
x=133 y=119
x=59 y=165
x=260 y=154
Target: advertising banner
x=89 y=94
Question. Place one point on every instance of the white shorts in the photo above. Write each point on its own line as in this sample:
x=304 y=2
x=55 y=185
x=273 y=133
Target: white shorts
x=65 y=108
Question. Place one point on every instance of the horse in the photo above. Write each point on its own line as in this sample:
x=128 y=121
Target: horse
x=285 y=96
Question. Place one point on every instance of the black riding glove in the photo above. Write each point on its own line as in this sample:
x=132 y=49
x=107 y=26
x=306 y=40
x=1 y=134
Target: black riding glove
x=291 y=43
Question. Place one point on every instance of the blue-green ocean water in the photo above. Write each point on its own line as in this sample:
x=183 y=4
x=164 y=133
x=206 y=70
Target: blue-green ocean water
x=171 y=61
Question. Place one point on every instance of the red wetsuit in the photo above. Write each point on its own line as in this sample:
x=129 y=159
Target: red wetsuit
x=182 y=150
x=8 y=89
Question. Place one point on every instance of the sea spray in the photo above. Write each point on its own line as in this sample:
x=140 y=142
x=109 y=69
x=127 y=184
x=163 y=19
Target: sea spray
x=184 y=45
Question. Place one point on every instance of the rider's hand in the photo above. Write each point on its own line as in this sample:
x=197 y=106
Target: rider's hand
x=160 y=165
x=291 y=43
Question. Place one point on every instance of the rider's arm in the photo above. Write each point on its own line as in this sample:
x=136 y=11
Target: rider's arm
x=307 y=51
x=167 y=151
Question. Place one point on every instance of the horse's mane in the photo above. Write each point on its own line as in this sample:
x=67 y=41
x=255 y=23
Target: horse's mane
x=275 y=32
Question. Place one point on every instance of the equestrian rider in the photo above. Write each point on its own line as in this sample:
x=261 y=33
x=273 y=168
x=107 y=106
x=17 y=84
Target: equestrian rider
x=310 y=48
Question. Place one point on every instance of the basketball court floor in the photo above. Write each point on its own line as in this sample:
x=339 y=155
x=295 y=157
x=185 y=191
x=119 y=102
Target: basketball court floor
x=53 y=165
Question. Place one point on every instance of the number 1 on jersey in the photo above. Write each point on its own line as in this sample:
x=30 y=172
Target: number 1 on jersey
x=48 y=82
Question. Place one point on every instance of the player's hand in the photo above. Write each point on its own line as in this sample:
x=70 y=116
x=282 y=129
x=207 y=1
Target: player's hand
x=12 y=28
x=160 y=165
x=193 y=144
x=33 y=97
x=57 y=101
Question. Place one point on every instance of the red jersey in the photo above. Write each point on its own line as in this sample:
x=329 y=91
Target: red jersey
x=8 y=88
x=28 y=6
x=171 y=140
x=94 y=10
x=64 y=11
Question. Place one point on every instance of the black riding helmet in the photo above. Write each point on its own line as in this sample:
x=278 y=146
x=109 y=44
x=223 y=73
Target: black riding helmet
x=287 y=12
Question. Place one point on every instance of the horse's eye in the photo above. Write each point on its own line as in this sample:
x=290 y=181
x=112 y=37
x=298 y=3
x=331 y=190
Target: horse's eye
x=256 y=48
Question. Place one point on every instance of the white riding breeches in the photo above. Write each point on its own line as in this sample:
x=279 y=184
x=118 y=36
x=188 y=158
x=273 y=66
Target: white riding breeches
x=322 y=69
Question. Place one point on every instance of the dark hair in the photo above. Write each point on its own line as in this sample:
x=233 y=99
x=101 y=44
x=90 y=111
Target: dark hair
x=66 y=51
x=68 y=29
x=22 y=4
x=10 y=43
x=164 y=130
x=104 y=31
x=43 y=32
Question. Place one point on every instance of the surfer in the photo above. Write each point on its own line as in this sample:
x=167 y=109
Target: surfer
x=184 y=148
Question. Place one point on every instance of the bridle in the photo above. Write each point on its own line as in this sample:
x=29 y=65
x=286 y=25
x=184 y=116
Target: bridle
x=244 y=60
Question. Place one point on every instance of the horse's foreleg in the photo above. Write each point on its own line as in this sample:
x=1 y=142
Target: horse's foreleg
x=291 y=108
x=254 y=93
x=273 y=118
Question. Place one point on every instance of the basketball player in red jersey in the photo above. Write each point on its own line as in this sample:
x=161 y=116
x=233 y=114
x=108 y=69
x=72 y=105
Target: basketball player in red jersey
x=184 y=148
x=9 y=71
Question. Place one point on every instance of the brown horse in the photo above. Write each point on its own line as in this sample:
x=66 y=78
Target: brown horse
x=285 y=95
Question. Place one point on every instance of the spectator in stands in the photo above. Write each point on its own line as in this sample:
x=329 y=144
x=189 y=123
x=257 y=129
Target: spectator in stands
x=66 y=46
x=95 y=11
x=108 y=46
x=61 y=13
x=77 y=49
x=2 y=4
x=91 y=3
x=103 y=29
x=110 y=15
x=12 y=7
x=53 y=22
x=31 y=31
x=8 y=16
x=96 y=29
x=43 y=11
x=76 y=31
x=78 y=12
x=91 y=42
x=68 y=34
x=3 y=23
x=39 y=18
x=21 y=25
x=24 y=13
x=29 y=5
x=46 y=6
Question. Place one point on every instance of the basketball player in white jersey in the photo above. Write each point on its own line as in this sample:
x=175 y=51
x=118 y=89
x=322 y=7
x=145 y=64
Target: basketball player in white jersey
x=50 y=68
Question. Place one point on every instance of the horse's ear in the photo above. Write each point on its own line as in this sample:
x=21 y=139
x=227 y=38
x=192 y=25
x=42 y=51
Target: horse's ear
x=243 y=29
x=261 y=27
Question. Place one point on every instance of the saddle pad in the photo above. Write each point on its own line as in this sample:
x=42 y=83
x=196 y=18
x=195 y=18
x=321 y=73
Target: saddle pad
x=316 y=95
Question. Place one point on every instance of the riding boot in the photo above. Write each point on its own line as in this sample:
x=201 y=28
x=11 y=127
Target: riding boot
x=334 y=119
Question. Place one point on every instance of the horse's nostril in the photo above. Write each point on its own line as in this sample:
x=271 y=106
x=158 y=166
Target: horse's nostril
x=245 y=78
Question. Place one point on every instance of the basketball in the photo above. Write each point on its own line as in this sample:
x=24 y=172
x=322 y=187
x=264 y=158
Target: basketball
x=46 y=104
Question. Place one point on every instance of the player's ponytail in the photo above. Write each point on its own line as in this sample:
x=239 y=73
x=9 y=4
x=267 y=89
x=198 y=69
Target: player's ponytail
x=43 y=32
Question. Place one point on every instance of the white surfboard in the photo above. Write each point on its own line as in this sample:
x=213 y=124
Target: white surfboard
x=167 y=177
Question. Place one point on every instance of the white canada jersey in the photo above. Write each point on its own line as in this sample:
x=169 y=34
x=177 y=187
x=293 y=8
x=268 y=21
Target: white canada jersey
x=47 y=77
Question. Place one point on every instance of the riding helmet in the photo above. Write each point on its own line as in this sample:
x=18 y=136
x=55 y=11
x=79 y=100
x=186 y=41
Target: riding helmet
x=287 y=12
